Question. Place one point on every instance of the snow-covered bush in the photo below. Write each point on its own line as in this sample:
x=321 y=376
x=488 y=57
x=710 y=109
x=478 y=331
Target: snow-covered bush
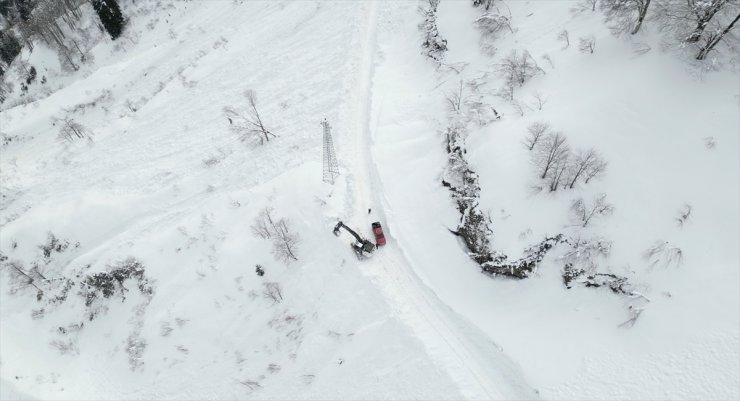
x=490 y=25
x=584 y=255
x=565 y=37
x=684 y=214
x=587 y=44
x=106 y=284
x=663 y=254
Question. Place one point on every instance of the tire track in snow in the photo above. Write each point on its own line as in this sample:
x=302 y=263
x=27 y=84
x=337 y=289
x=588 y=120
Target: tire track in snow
x=448 y=338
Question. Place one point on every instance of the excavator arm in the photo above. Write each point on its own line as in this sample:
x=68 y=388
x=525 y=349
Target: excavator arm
x=361 y=246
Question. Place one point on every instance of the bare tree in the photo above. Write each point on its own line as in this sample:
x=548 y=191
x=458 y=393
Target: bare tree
x=587 y=44
x=455 y=99
x=625 y=15
x=552 y=150
x=540 y=99
x=594 y=169
x=22 y=278
x=535 y=132
x=557 y=173
x=518 y=107
x=565 y=37
x=272 y=292
x=249 y=125
x=263 y=223
x=286 y=242
x=582 y=163
x=584 y=213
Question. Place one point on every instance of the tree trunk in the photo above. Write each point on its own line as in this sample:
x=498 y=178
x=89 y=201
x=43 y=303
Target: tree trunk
x=702 y=19
x=696 y=34
x=642 y=8
x=713 y=39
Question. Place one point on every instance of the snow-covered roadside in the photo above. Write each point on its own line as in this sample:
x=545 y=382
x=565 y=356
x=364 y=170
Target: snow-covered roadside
x=567 y=342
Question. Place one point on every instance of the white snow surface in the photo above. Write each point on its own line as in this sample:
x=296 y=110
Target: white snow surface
x=165 y=181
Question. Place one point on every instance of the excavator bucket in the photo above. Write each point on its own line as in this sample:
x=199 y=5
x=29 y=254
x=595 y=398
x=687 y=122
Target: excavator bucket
x=336 y=228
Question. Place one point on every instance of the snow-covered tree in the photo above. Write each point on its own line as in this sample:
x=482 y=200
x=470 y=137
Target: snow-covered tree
x=583 y=213
x=110 y=16
x=714 y=36
x=434 y=45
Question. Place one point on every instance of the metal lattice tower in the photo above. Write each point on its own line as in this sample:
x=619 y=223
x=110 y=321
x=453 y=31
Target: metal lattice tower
x=331 y=168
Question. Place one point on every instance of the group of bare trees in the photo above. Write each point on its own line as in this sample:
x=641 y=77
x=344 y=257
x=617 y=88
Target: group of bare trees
x=559 y=166
x=701 y=23
x=248 y=124
x=70 y=130
x=284 y=239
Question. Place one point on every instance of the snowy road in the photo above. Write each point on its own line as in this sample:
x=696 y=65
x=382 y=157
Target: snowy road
x=477 y=365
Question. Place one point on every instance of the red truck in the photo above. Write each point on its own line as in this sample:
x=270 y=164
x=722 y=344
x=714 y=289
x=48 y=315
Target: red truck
x=379 y=236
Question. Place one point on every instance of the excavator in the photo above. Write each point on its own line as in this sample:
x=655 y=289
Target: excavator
x=362 y=247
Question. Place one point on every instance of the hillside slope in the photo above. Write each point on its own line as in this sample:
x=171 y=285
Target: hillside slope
x=163 y=180
x=650 y=115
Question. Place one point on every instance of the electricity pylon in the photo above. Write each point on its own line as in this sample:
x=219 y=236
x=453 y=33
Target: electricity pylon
x=331 y=168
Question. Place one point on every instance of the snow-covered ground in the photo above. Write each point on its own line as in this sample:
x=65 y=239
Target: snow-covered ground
x=165 y=181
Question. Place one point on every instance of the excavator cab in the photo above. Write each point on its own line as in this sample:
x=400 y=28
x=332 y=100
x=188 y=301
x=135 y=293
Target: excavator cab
x=362 y=247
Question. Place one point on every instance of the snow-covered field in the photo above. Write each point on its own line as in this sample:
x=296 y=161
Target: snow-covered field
x=165 y=181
